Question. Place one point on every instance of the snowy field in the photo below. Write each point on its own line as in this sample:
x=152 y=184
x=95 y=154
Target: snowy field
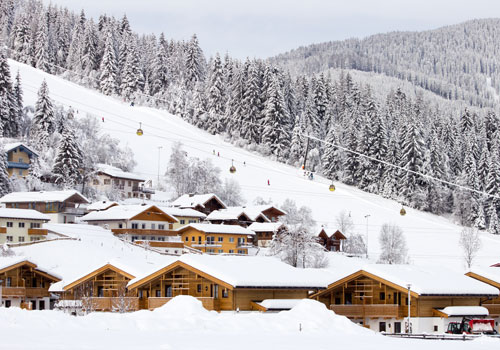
x=431 y=239
x=184 y=324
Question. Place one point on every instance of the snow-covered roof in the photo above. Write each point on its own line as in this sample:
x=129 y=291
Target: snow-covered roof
x=226 y=214
x=119 y=212
x=191 y=201
x=10 y=146
x=490 y=273
x=78 y=230
x=28 y=214
x=263 y=207
x=329 y=232
x=117 y=172
x=279 y=304
x=8 y=261
x=183 y=212
x=253 y=271
x=430 y=280
x=265 y=226
x=42 y=196
x=212 y=228
x=465 y=311
x=101 y=205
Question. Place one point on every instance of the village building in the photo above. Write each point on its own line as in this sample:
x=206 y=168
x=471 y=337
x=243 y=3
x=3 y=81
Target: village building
x=230 y=216
x=226 y=282
x=103 y=289
x=24 y=284
x=205 y=203
x=59 y=206
x=264 y=232
x=141 y=224
x=19 y=159
x=491 y=276
x=184 y=216
x=377 y=297
x=21 y=225
x=110 y=179
x=217 y=239
x=332 y=240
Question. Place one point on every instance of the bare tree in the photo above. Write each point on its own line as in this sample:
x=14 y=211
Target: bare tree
x=470 y=243
x=124 y=302
x=393 y=245
x=230 y=193
x=344 y=223
x=354 y=244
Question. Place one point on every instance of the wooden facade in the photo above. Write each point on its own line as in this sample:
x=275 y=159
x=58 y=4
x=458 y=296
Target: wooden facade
x=24 y=285
x=182 y=279
x=104 y=289
x=492 y=304
x=215 y=243
x=332 y=242
x=19 y=158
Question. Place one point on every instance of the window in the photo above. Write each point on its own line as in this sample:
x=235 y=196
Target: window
x=95 y=182
x=198 y=288
x=143 y=238
x=210 y=251
x=8 y=282
x=161 y=239
x=10 y=224
x=170 y=226
x=20 y=238
x=221 y=251
x=210 y=240
x=135 y=226
x=134 y=238
x=436 y=328
x=231 y=251
x=161 y=227
x=241 y=251
x=130 y=183
x=193 y=238
x=220 y=239
x=216 y=291
x=183 y=222
x=192 y=221
x=20 y=172
x=21 y=160
x=158 y=293
x=225 y=293
x=107 y=181
x=35 y=225
x=381 y=326
x=168 y=291
x=199 y=239
x=21 y=224
x=231 y=239
x=120 y=225
x=7 y=303
x=153 y=226
x=187 y=238
x=143 y=226
x=10 y=239
x=382 y=296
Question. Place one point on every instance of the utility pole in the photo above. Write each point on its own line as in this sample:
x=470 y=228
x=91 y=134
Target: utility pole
x=159 y=150
x=409 y=309
x=366 y=217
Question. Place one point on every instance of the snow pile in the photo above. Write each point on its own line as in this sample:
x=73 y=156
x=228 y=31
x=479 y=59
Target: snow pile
x=182 y=306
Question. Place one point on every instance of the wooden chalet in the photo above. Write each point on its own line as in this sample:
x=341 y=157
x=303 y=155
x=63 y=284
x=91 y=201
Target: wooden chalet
x=217 y=239
x=104 y=289
x=491 y=276
x=331 y=240
x=226 y=282
x=205 y=203
x=264 y=232
x=24 y=284
x=377 y=297
x=229 y=217
x=60 y=206
x=184 y=216
x=142 y=224
x=19 y=159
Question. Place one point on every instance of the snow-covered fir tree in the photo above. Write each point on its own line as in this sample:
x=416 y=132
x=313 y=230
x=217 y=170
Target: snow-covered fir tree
x=43 y=120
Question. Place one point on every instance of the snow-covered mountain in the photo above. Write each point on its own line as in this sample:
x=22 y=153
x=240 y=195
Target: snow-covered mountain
x=431 y=239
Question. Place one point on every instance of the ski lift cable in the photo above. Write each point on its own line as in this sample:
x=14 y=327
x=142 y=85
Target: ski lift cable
x=427 y=176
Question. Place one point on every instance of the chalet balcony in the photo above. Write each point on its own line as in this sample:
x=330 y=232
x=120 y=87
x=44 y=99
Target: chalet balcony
x=362 y=311
x=74 y=211
x=207 y=302
x=162 y=244
x=17 y=165
x=206 y=244
x=38 y=231
x=110 y=303
x=494 y=309
x=25 y=292
x=3 y=229
x=143 y=232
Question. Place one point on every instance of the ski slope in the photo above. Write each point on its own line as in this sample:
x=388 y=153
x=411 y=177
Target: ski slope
x=431 y=239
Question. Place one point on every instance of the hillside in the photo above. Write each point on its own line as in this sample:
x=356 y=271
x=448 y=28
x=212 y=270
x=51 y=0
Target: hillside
x=431 y=239
x=459 y=62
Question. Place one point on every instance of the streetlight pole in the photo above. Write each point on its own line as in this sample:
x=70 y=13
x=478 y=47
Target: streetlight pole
x=159 y=150
x=366 y=217
x=409 y=308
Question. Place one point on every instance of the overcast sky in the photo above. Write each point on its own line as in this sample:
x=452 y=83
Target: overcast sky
x=262 y=28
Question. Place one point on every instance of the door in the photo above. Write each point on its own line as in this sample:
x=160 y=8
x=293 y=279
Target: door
x=381 y=326
x=100 y=291
x=397 y=327
x=168 y=291
x=41 y=305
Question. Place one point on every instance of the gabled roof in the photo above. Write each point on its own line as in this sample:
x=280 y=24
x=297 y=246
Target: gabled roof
x=101 y=205
x=108 y=266
x=244 y=272
x=183 y=212
x=13 y=262
x=27 y=214
x=233 y=213
x=331 y=232
x=192 y=201
x=12 y=146
x=213 y=228
x=43 y=196
x=265 y=207
x=117 y=172
x=265 y=226
x=490 y=275
x=424 y=281
x=125 y=212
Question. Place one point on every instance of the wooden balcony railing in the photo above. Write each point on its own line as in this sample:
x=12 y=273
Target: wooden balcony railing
x=14 y=291
x=162 y=244
x=25 y=292
x=37 y=292
x=143 y=232
x=110 y=304
x=361 y=311
x=38 y=231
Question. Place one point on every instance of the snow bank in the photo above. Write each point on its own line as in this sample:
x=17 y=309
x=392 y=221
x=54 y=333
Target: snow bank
x=182 y=306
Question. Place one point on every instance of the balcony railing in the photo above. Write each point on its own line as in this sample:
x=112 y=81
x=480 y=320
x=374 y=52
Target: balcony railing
x=143 y=232
x=162 y=244
x=207 y=244
x=361 y=311
x=75 y=211
x=25 y=292
x=38 y=231
x=110 y=304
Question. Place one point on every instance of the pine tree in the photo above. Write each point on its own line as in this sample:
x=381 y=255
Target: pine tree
x=494 y=225
x=215 y=97
x=331 y=160
x=90 y=56
x=195 y=63
x=131 y=77
x=68 y=161
x=159 y=79
x=42 y=59
x=8 y=122
x=5 y=182
x=22 y=38
x=44 y=119
x=252 y=105
x=108 y=82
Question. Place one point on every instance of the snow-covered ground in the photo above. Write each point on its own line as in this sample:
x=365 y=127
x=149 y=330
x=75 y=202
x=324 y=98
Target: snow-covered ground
x=184 y=324
x=431 y=239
